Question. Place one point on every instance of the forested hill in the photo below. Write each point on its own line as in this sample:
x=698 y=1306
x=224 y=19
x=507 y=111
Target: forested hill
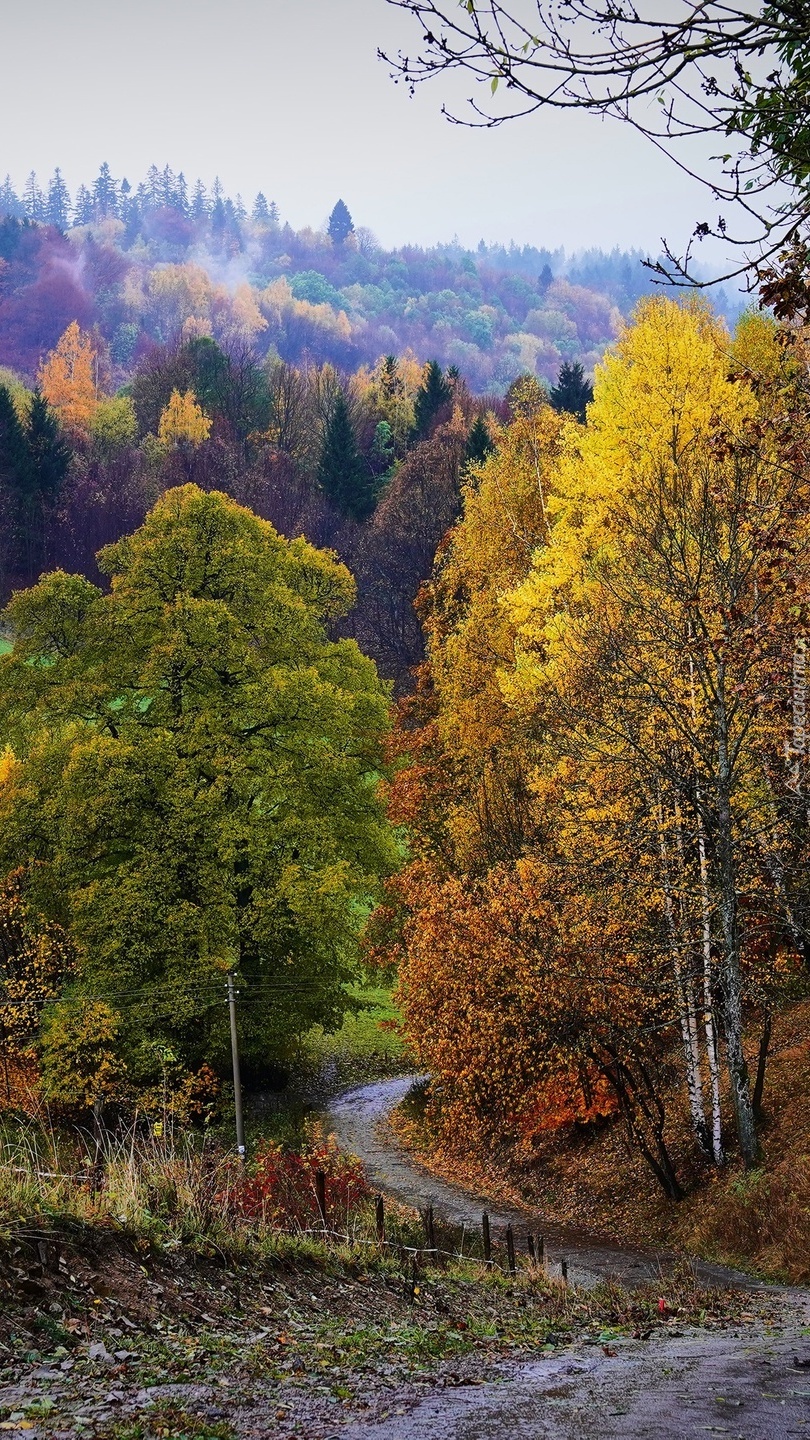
x=163 y=261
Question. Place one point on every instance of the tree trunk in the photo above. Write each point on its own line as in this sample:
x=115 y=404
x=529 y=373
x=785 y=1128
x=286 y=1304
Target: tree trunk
x=731 y=973
x=708 y=999
x=686 y=1003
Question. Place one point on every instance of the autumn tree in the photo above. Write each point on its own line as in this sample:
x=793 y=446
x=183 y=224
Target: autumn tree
x=35 y=963
x=197 y=776
x=183 y=424
x=67 y=380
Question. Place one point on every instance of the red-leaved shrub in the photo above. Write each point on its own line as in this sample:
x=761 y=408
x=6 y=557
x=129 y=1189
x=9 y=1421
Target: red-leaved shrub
x=278 y=1188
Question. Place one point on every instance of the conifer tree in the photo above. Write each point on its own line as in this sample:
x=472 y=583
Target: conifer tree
x=433 y=394
x=342 y=473
x=341 y=224
x=33 y=198
x=573 y=392
x=105 y=193
x=48 y=450
x=57 y=205
x=83 y=209
x=10 y=203
x=14 y=459
x=479 y=441
x=199 y=202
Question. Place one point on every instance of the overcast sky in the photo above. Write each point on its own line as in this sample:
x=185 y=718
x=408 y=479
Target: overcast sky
x=288 y=96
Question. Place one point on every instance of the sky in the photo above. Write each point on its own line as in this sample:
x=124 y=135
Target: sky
x=289 y=97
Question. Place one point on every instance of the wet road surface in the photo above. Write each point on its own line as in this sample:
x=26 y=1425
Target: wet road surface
x=355 y=1117
x=744 y=1384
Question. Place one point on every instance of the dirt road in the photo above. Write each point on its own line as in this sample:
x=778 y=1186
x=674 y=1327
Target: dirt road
x=753 y=1384
x=355 y=1117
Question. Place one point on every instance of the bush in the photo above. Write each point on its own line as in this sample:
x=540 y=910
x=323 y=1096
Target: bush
x=278 y=1190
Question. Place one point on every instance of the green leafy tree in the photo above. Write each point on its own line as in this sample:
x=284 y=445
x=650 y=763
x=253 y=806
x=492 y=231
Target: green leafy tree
x=196 y=790
x=341 y=224
x=342 y=473
x=573 y=392
x=433 y=395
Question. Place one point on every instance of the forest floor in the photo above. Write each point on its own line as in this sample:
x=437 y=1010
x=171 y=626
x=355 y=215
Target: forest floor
x=593 y=1180
x=102 y=1336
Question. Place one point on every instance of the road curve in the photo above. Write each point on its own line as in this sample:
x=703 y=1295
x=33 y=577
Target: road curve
x=355 y=1117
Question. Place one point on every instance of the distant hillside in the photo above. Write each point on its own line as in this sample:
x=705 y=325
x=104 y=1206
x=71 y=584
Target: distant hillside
x=164 y=261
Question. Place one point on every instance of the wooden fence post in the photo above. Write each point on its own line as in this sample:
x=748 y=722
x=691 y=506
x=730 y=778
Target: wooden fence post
x=530 y=1246
x=510 y=1249
x=487 y=1238
x=379 y=1207
x=320 y=1194
x=564 y=1271
x=430 y=1232
x=541 y=1251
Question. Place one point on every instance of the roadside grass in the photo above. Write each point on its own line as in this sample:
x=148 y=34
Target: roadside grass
x=368 y=1042
x=282 y=1326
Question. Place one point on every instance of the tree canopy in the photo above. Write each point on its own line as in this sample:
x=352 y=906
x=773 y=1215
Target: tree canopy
x=194 y=788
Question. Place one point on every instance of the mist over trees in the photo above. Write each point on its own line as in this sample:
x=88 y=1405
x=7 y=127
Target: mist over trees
x=165 y=259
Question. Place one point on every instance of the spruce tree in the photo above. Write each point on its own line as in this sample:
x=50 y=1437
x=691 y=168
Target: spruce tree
x=341 y=224
x=33 y=198
x=10 y=203
x=479 y=441
x=15 y=467
x=49 y=453
x=572 y=392
x=434 y=393
x=342 y=473
x=57 y=205
x=105 y=193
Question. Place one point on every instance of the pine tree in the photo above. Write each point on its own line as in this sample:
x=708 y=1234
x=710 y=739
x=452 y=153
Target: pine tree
x=57 y=206
x=167 y=187
x=181 y=194
x=341 y=224
x=11 y=205
x=83 y=208
x=47 y=448
x=342 y=474
x=199 y=202
x=479 y=441
x=261 y=210
x=33 y=198
x=433 y=394
x=15 y=468
x=105 y=194
x=153 y=188
x=573 y=392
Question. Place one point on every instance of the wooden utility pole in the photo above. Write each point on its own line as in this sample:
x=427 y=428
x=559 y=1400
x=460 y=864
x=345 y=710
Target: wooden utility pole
x=237 y=1079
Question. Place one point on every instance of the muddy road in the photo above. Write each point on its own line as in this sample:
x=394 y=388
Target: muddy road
x=356 y=1116
x=748 y=1384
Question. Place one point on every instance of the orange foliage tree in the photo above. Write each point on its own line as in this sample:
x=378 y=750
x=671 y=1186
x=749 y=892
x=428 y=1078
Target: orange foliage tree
x=68 y=380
